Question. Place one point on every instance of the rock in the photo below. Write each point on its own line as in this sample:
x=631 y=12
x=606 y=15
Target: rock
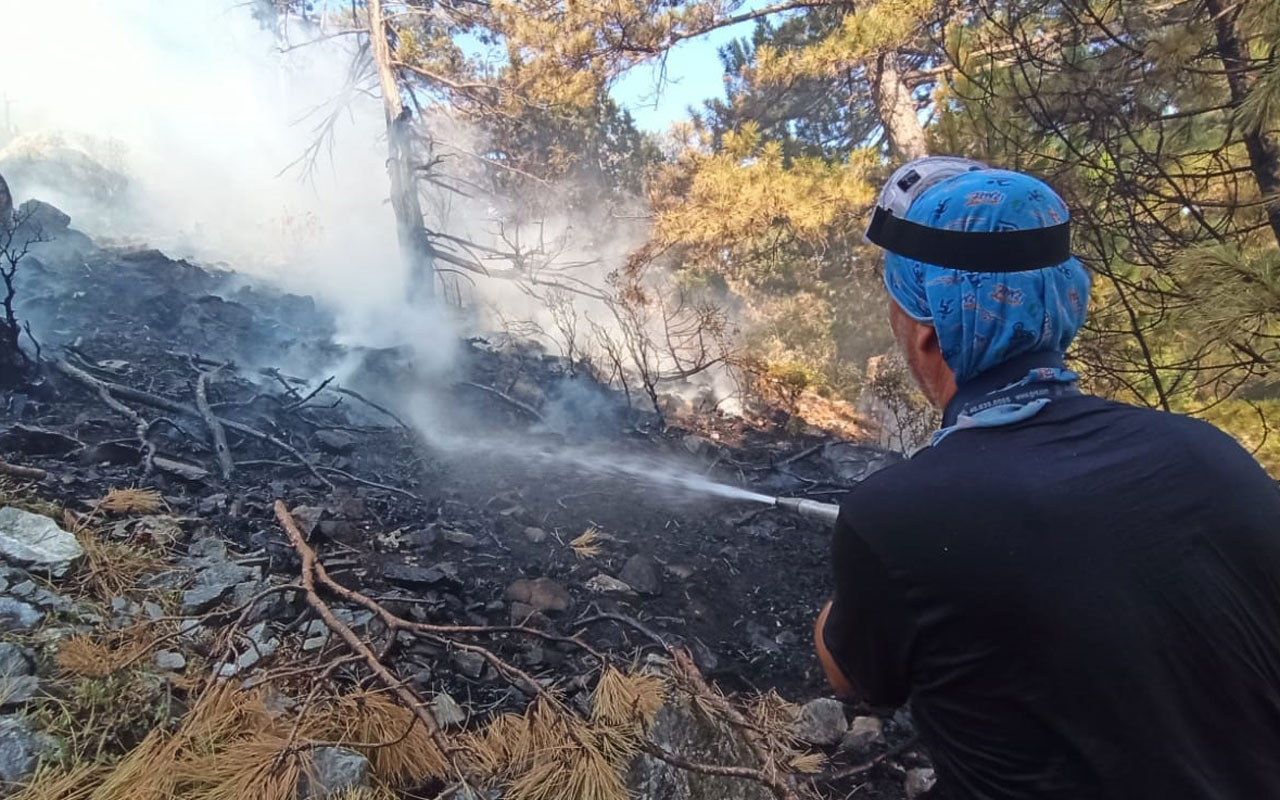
x=40 y=597
x=333 y=771
x=16 y=615
x=308 y=517
x=211 y=504
x=44 y=218
x=863 y=734
x=535 y=535
x=15 y=661
x=20 y=748
x=170 y=660
x=201 y=598
x=447 y=711
x=470 y=664
x=821 y=722
x=337 y=442
x=165 y=581
x=459 y=538
x=605 y=584
x=681 y=729
x=261 y=645
x=226 y=573
x=699 y=445
x=681 y=572
x=33 y=441
x=184 y=470
x=408 y=575
x=273 y=606
x=919 y=781
x=205 y=550
x=543 y=594
x=31 y=540
x=526 y=615
x=18 y=690
x=641 y=573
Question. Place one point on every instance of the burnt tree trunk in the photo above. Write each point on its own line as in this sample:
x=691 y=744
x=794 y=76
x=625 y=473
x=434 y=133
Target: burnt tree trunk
x=1264 y=154
x=897 y=108
x=415 y=247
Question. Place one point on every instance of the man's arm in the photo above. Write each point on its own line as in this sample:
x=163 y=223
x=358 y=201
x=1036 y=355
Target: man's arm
x=864 y=634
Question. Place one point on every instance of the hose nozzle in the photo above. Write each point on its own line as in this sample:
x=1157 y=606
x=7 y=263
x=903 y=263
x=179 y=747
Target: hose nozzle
x=809 y=509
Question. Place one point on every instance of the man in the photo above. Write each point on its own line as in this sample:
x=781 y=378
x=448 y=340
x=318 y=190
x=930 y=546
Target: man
x=1080 y=599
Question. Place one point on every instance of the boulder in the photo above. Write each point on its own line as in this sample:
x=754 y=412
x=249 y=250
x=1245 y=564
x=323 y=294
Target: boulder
x=333 y=771
x=34 y=541
x=43 y=218
x=543 y=594
x=821 y=722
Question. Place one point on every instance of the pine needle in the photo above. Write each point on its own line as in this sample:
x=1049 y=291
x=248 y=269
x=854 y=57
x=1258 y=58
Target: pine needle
x=622 y=699
x=591 y=543
x=398 y=746
x=130 y=501
x=809 y=763
x=55 y=783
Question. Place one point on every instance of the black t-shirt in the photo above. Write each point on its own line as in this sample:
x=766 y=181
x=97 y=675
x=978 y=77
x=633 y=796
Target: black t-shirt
x=1085 y=604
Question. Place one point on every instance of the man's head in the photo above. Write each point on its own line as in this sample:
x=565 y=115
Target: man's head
x=984 y=296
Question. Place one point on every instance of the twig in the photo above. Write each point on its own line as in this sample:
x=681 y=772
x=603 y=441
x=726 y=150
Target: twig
x=779 y=789
x=625 y=620
x=525 y=407
x=370 y=404
x=216 y=432
x=300 y=403
x=335 y=471
x=406 y=696
x=22 y=472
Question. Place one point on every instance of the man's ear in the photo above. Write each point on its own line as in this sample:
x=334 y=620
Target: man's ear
x=924 y=338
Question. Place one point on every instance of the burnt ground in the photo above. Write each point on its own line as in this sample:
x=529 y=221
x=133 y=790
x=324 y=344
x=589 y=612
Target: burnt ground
x=439 y=532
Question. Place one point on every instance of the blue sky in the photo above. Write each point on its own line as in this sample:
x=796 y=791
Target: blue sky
x=693 y=74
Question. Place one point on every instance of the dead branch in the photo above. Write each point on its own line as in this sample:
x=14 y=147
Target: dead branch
x=108 y=392
x=216 y=432
x=104 y=391
x=393 y=684
x=22 y=472
x=525 y=407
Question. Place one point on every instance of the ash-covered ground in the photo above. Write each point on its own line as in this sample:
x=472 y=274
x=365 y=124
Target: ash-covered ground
x=484 y=494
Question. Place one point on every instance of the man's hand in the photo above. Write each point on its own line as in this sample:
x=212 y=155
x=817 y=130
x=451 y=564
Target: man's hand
x=841 y=684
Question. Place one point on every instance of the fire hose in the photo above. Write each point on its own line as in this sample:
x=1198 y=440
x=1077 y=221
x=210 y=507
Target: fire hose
x=809 y=509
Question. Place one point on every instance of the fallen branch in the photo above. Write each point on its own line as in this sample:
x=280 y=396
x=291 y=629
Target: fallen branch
x=779 y=789
x=22 y=472
x=104 y=391
x=525 y=407
x=216 y=432
x=393 y=684
x=108 y=391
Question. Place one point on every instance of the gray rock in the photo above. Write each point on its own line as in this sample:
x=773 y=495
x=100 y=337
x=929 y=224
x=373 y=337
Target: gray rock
x=40 y=597
x=273 y=606
x=18 y=690
x=353 y=619
x=15 y=661
x=542 y=594
x=332 y=771
x=606 y=584
x=470 y=664
x=210 y=548
x=165 y=581
x=220 y=573
x=863 y=734
x=261 y=645
x=535 y=535
x=919 y=781
x=409 y=575
x=681 y=729
x=16 y=615
x=20 y=748
x=190 y=472
x=202 y=598
x=170 y=660
x=337 y=442
x=641 y=574
x=446 y=710
x=821 y=722
x=460 y=538
x=31 y=540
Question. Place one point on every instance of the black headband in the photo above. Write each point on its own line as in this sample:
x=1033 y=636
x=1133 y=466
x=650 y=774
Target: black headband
x=975 y=251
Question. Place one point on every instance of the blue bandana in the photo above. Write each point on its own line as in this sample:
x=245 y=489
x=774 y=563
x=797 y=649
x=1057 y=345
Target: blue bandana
x=987 y=319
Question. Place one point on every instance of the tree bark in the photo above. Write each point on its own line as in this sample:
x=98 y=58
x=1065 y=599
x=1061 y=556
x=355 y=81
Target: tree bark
x=897 y=109
x=415 y=247
x=1264 y=155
